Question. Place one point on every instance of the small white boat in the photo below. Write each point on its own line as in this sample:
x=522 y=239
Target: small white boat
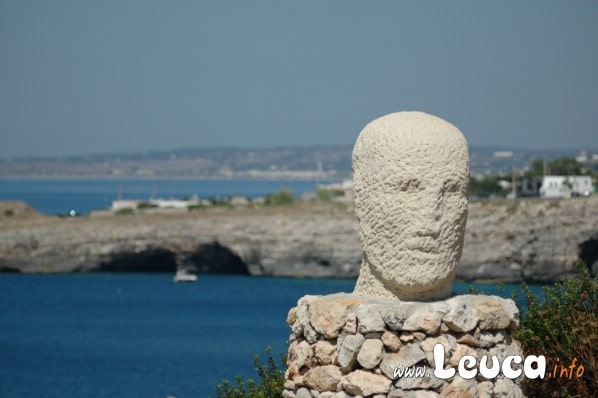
x=184 y=276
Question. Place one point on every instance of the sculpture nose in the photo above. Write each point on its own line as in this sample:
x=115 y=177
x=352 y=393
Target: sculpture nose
x=429 y=216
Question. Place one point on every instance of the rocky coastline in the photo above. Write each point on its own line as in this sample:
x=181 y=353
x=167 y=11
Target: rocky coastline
x=533 y=240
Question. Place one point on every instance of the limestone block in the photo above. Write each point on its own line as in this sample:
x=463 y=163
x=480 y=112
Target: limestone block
x=421 y=394
x=288 y=394
x=507 y=388
x=493 y=314
x=397 y=393
x=350 y=323
x=292 y=316
x=395 y=316
x=428 y=382
x=347 y=353
x=426 y=318
x=485 y=389
x=391 y=341
x=303 y=393
x=370 y=353
x=470 y=340
x=410 y=183
x=369 y=319
x=489 y=339
x=461 y=317
x=460 y=351
x=328 y=314
x=460 y=388
x=303 y=354
x=365 y=383
x=325 y=352
x=323 y=378
x=428 y=347
x=407 y=356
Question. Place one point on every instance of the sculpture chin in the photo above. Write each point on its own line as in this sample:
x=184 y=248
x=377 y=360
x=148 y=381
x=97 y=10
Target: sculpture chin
x=430 y=275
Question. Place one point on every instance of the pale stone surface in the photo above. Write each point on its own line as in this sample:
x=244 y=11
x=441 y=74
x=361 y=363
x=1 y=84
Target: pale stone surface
x=460 y=388
x=328 y=316
x=370 y=353
x=506 y=388
x=303 y=354
x=323 y=378
x=408 y=355
x=461 y=317
x=428 y=347
x=492 y=315
x=410 y=182
x=428 y=382
x=303 y=393
x=326 y=366
x=420 y=394
x=426 y=318
x=485 y=389
x=325 y=352
x=288 y=394
x=391 y=341
x=365 y=383
x=347 y=352
x=460 y=351
x=369 y=319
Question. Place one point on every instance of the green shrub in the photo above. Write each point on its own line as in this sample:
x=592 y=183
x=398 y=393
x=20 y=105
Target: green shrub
x=146 y=205
x=196 y=207
x=327 y=194
x=124 y=212
x=563 y=327
x=271 y=385
x=9 y=212
x=283 y=197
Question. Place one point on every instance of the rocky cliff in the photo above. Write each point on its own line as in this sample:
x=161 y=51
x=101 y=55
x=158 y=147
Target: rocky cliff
x=535 y=240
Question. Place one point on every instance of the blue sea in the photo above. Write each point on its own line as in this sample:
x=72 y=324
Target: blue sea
x=60 y=196
x=141 y=335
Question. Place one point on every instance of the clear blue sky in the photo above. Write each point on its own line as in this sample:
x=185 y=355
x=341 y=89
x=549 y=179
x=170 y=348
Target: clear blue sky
x=82 y=76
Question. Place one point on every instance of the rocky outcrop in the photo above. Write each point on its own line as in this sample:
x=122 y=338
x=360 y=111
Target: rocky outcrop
x=533 y=239
x=513 y=240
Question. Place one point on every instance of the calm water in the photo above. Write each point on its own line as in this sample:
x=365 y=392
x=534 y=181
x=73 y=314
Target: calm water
x=140 y=335
x=59 y=196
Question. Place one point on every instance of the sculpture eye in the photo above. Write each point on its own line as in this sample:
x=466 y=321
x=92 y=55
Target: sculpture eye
x=410 y=185
x=455 y=187
x=394 y=184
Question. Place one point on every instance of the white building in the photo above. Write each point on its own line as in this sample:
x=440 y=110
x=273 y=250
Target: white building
x=561 y=186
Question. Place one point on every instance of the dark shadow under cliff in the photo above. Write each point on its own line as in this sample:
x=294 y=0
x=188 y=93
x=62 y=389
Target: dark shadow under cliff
x=207 y=258
x=155 y=260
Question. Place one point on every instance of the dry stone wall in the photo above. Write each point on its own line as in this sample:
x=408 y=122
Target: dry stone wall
x=345 y=345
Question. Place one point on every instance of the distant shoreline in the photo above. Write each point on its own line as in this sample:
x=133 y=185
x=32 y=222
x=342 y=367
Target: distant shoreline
x=510 y=241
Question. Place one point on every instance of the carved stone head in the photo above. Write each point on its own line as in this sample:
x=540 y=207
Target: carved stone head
x=410 y=181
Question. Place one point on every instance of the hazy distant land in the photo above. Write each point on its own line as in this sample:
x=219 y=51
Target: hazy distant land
x=325 y=162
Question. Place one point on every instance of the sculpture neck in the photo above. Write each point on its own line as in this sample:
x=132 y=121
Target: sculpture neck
x=368 y=285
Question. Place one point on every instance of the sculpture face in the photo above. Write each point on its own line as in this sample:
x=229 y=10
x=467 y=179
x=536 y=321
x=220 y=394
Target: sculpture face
x=410 y=185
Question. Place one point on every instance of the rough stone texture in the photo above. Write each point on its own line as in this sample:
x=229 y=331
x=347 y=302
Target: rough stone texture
x=535 y=240
x=323 y=378
x=370 y=353
x=348 y=350
x=365 y=364
x=410 y=183
x=365 y=383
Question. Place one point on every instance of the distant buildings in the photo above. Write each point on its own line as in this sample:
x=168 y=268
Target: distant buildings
x=562 y=186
